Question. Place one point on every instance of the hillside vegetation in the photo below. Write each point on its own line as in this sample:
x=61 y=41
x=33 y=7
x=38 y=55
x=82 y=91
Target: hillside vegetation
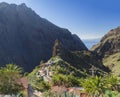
x=61 y=70
x=113 y=62
x=67 y=76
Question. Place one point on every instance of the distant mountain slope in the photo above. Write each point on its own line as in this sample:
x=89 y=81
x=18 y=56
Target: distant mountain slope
x=109 y=50
x=109 y=44
x=26 y=38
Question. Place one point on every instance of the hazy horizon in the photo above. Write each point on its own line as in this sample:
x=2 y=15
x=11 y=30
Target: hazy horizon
x=88 y=19
x=90 y=42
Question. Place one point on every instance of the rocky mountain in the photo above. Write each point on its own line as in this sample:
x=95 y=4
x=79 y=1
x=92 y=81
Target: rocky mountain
x=26 y=38
x=109 y=44
x=109 y=50
x=82 y=60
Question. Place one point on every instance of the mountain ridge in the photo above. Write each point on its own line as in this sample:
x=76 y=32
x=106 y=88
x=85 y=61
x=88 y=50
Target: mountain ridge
x=26 y=38
x=110 y=43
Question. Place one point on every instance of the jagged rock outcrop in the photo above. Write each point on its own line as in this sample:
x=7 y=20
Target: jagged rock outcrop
x=26 y=38
x=109 y=44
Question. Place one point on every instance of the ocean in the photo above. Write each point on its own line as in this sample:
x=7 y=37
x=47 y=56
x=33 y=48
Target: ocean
x=90 y=42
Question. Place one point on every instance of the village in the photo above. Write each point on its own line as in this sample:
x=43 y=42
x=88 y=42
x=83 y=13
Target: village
x=45 y=73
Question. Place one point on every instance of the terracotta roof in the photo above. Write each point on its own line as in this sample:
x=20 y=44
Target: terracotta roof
x=24 y=82
x=58 y=89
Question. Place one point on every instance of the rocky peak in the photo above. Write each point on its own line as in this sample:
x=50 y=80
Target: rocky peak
x=23 y=5
x=112 y=33
x=3 y=4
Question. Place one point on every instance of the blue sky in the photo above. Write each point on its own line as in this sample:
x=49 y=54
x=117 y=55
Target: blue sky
x=87 y=18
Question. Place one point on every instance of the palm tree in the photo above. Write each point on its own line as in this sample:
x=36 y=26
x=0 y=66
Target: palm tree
x=9 y=77
x=97 y=86
x=13 y=68
x=94 y=86
x=112 y=82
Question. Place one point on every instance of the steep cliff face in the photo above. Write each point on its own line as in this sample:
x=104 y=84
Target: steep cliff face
x=26 y=38
x=109 y=44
